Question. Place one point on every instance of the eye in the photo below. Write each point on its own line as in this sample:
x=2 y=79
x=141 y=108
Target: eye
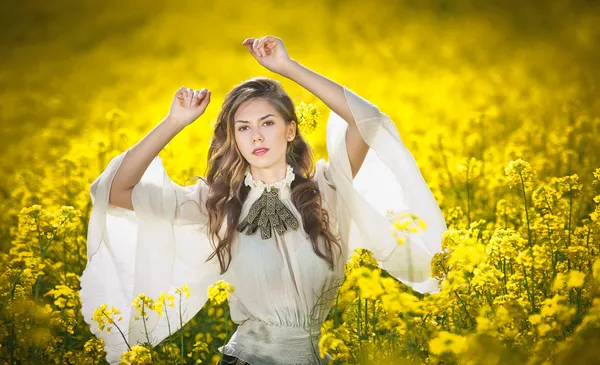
x=241 y=129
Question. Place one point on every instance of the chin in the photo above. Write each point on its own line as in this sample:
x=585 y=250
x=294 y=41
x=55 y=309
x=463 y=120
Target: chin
x=262 y=162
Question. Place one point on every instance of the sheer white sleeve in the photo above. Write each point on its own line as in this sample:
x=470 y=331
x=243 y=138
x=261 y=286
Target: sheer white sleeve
x=389 y=180
x=159 y=246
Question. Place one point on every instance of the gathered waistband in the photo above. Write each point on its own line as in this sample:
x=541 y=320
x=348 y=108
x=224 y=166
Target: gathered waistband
x=259 y=342
x=274 y=332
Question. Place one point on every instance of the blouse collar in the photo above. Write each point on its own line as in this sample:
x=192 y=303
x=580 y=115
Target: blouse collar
x=287 y=180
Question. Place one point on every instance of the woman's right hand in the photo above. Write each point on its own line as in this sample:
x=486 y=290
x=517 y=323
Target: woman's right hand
x=188 y=104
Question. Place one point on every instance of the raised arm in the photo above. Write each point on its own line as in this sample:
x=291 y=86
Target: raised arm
x=156 y=247
x=187 y=106
x=270 y=52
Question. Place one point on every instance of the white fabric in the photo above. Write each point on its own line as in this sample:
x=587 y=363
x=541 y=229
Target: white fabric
x=162 y=244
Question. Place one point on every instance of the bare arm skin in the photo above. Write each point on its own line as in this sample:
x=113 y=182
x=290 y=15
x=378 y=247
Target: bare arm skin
x=188 y=104
x=137 y=160
x=270 y=52
x=332 y=94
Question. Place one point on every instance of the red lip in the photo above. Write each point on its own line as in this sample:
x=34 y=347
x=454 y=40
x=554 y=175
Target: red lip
x=259 y=149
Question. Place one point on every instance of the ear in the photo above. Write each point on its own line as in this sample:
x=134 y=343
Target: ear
x=291 y=132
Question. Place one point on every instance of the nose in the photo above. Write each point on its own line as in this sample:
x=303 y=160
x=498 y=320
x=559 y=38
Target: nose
x=257 y=137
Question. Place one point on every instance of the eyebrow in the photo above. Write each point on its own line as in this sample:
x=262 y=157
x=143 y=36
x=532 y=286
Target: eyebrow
x=245 y=121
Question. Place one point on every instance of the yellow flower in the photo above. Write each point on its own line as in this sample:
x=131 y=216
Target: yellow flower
x=183 y=290
x=447 y=342
x=159 y=304
x=137 y=355
x=519 y=171
x=171 y=301
x=567 y=184
x=407 y=222
x=368 y=282
x=544 y=328
x=164 y=300
x=360 y=257
x=559 y=281
x=142 y=304
x=330 y=340
x=576 y=279
x=219 y=291
x=104 y=317
x=308 y=115
x=596 y=269
x=535 y=319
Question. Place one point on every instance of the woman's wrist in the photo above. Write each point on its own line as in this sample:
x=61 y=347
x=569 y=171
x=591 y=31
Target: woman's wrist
x=174 y=122
x=289 y=69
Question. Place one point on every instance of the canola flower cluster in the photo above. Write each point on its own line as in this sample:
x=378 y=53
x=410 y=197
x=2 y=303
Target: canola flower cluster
x=525 y=278
x=533 y=288
x=146 y=353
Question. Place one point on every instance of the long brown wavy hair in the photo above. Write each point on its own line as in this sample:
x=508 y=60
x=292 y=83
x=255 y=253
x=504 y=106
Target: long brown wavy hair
x=227 y=168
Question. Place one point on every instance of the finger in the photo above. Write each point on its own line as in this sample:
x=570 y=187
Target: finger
x=271 y=44
x=189 y=95
x=192 y=95
x=201 y=96
x=261 y=46
x=205 y=100
x=184 y=93
x=180 y=93
x=194 y=99
x=255 y=51
x=266 y=47
x=258 y=45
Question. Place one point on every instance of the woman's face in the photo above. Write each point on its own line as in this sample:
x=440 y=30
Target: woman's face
x=257 y=124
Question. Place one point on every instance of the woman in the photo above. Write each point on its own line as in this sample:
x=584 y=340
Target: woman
x=263 y=220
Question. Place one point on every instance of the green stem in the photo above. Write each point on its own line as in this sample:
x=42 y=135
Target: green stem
x=463 y=305
x=587 y=245
x=569 y=226
x=358 y=326
x=456 y=192
x=532 y=291
x=468 y=197
x=144 y=321
x=180 y=325
x=335 y=309
x=118 y=329
x=526 y=210
x=167 y=316
x=226 y=332
x=13 y=337
x=504 y=279
x=367 y=316
x=39 y=278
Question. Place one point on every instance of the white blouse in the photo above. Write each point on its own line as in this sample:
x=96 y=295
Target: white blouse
x=283 y=290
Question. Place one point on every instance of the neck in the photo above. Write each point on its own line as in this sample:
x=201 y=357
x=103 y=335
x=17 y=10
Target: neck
x=269 y=174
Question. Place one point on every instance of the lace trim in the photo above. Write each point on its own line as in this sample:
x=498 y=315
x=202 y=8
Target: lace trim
x=287 y=181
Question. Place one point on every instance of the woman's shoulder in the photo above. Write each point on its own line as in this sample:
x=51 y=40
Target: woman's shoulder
x=322 y=175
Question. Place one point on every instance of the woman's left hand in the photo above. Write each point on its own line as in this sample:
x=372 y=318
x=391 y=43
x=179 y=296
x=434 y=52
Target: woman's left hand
x=269 y=52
